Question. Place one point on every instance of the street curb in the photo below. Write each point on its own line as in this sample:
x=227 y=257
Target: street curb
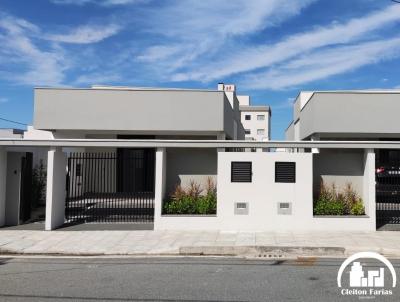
x=267 y=252
x=263 y=251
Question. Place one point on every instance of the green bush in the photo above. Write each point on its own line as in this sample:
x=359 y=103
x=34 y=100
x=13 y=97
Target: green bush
x=357 y=208
x=329 y=207
x=190 y=201
x=332 y=202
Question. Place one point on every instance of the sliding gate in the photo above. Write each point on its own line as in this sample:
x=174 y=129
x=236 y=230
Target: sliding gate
x=115 y=187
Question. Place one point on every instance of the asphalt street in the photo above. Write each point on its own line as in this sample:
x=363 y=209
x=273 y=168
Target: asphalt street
x=174 y=279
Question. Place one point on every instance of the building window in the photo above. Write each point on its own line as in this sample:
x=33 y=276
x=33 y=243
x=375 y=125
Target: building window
x=247 y=131
x=260 y=117
x=241 y=171
x=247 y=117
x=260 y=131
x=285 y=172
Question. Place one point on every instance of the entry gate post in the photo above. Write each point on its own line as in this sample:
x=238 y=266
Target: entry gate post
x=56 y=189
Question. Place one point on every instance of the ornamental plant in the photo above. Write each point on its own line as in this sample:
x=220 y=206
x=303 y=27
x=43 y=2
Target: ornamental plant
x=192 y=199
x=330 y=201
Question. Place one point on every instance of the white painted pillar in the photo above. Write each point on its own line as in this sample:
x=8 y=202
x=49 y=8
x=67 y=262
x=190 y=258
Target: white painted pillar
x=160 y=183
x=369 y=186
x=3 y=182
x=315 y=138
x=55 y=191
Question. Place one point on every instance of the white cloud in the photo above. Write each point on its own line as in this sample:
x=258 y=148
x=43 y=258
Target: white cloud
x=30 y=56
x=97 y=2
x=97 y=79
x=323 y=63
x=86 y=34
x=155 y=53
x=44 y=67
x=195 y=28
x=263 y=56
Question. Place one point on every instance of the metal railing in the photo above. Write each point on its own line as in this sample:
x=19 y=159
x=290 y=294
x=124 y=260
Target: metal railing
x=110 y=186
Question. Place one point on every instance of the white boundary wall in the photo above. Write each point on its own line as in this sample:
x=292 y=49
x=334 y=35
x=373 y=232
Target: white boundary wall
x=263 y=196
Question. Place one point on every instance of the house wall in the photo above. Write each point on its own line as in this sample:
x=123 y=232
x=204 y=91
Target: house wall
x=140 y=110
x=184 y=165
x=289 y=133
x=358 y=114
x=339 y=167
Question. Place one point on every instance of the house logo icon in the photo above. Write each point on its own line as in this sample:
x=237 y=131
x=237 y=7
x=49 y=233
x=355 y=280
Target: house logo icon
x=364 y=281
x=374 y=279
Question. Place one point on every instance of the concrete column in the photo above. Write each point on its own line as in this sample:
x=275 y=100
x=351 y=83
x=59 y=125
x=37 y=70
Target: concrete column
x=55 y=191
x=315 y=137
x=160 y=183
x=3 y=173
x=369 y=186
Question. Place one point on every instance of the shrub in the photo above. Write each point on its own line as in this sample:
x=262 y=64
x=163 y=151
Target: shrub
x=329 y=207
x=357 y=208
x=190 y=200
x=332 y=202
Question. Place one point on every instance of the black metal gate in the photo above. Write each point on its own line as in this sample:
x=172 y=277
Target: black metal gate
x=111 y=186
x=388 y=189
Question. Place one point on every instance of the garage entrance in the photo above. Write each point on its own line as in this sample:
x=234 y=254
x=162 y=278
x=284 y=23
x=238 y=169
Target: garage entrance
x=116 y=187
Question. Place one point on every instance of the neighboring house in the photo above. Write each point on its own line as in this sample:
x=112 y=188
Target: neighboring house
x=11 y=133
x=360 y=115
x=345 y=115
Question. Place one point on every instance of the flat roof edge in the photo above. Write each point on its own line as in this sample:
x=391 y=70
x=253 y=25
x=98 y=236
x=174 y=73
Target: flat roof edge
x=126 y=89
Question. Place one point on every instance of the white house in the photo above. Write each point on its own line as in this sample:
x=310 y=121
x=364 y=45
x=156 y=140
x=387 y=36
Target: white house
x=120 y=155
x=357 y=115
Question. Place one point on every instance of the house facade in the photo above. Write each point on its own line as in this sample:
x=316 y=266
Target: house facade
x=123 y=155
x=364 y=115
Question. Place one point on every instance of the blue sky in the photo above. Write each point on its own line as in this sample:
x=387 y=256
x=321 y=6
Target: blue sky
x=271 y=49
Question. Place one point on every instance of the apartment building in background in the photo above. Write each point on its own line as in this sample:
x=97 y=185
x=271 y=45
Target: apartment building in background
x=256 y=119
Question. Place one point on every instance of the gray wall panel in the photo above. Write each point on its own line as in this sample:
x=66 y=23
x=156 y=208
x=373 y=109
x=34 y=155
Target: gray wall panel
x=150 y=110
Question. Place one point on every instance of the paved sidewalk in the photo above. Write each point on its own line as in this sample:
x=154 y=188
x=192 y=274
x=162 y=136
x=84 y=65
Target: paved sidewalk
x=250 y=244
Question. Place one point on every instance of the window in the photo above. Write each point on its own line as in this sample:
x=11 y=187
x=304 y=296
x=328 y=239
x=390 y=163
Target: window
x=260 y=131
x=247 y=131
x=241 y=171
x=285 y=172
x=260 y=117
x=247 y=117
